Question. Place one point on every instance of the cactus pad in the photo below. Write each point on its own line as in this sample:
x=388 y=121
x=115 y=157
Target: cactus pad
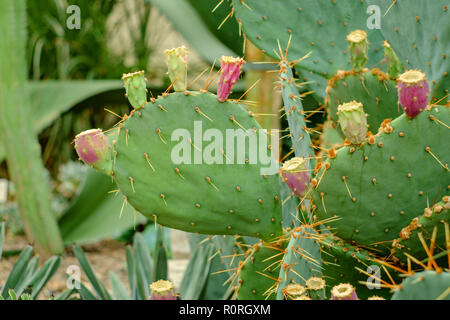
x=193 y=195
x=374 y=189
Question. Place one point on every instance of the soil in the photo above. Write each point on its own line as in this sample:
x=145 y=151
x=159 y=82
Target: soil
x=104 y=256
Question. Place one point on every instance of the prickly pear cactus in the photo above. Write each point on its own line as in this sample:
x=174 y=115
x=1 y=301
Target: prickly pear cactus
x=159 y=167
x=361 y=184
x=426 y=285
x=372 y=88
x=258 y=274
x=427 y=232
x=267 y=22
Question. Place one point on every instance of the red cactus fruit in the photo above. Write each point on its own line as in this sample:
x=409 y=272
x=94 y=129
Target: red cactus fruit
x=93 y=148
x=231 y=70
x=294 y=173
x=413 y=92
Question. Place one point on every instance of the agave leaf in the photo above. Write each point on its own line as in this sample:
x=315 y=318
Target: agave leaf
x=143 y=267
x=95 y=213
x=41 y=278
x=118 y=288
x=101 y=291
x=17 y=271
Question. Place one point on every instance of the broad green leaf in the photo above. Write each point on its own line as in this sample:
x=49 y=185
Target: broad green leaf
x=188 y=22
x=95 y=213
x=49 y=99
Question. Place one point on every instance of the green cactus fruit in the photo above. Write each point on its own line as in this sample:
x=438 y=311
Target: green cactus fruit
x=375 y=188
x=177 y=67
x=258 y=274
x=301 y=261
x=372 y=88
x=316 y=288
x=358 y=46
x=419 y=233
x=394 y=66
x=136 y=88
x=352 y=120
x=340 y=263
x=195 y=164
x=93 y=148
x=425 y=285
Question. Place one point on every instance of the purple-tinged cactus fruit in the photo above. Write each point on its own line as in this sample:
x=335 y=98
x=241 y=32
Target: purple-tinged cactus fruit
x=343 y=291
x=353 y=122
x=93 y=148
x=413 y=92
x=294 y=290
x=177 y=67
x=294 y=173
x=136 y=88
x=358 y=45
x=230 y=72
x=394 y=66
x=162 y=290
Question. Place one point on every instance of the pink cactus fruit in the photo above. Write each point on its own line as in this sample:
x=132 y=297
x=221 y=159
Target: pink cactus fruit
x=343 y=291
x=294 y=173
x=93 y=148
x=413 y=92
x=162 y=290
x=230 y=72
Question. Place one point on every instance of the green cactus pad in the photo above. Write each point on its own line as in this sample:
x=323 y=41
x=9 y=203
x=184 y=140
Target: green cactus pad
x=136 y=88
x=205 y=198
x=339 y=262
x=372 y=88
x=302 y=259
x=409 y=242
x=266 y=22
x=377 y=188
x=426 y=285
x=429 y=49
x=259 y=272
